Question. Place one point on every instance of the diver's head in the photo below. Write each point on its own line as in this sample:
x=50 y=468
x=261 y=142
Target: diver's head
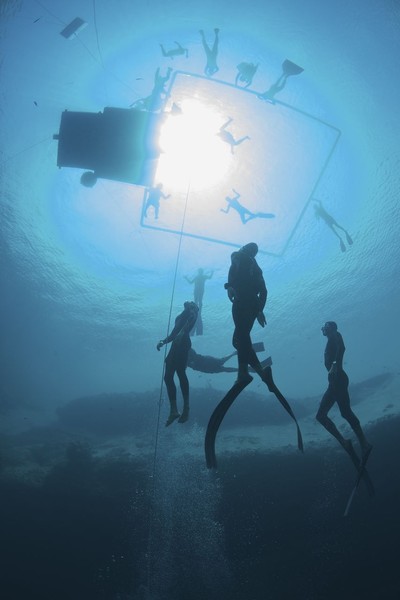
x=250 y=249
x=88 y=179
x=329 y=328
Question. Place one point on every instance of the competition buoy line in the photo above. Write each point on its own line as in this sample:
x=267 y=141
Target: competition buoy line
x=153 y=475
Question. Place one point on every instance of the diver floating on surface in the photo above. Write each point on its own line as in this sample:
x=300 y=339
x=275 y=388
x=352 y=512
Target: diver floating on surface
x=227 y=137
x=156 y=100
x=246 y=72
x=153 y=196
x=178 y=51
x=211 y=53
x=288 y=69
x=244 y=213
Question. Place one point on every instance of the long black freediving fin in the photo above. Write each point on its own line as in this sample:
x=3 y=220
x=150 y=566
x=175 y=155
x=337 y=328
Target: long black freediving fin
x=216 y=419
x=268 y=379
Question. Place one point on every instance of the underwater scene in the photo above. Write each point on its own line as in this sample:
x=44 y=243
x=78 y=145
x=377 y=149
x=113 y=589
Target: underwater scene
x=199 y=320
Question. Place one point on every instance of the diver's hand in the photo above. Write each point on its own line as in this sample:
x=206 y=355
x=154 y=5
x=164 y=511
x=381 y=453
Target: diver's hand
x=333 y=370
x=160 y=344
x=261 y=318
x=231 y=293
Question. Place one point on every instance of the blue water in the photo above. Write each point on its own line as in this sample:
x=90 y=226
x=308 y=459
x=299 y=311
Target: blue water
x=89 y=285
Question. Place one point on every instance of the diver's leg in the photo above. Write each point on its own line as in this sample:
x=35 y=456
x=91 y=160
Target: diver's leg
x=237 y=142
x=214 y=50
x=348 y=238
x=184 y=383
x=243 y=319
x=328 y=400
x=171 y=391
x=346 y=412
x=203 y=41
x=342 y=246
x=163 y=51
x=226 y=124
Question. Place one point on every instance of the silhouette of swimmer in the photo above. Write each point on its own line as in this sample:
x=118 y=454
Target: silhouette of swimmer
x=156 y=100
x=211 y=364
x=178 y=51
x=337 y=391
x=153 y=196
x=321 y=213
x=246 y=72
x=288 y=68
x=244 y=213
x=176 y=360
x=211 y=53
x=227 y=137
x=199 y=285
x=248 y=293
x=198 y=293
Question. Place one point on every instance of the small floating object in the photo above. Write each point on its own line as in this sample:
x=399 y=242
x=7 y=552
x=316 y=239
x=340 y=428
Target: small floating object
x=72 y=28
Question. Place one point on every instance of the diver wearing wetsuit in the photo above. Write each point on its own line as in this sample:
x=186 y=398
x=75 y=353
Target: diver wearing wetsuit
x=338 y=383
x=176 y=361
x=248 y=293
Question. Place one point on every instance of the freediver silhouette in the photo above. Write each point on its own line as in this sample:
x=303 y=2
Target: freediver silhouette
x=244 y=213
x=246 y=72
x=227 y=137
x=321 y=213
x=156 y=99
x=288 y=69
x=152 y=198
x=211 y=53
x=199 y=281
x=178 y=51
x=337 y=391
x=176 y=361
x=247 y=292
x=211 y=364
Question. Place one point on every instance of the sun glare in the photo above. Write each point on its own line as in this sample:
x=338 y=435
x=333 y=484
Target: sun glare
x=192 y=152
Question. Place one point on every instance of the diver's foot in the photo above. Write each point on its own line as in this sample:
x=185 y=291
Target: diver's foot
x=244 y=378
x=184 y=416
x=172 y=417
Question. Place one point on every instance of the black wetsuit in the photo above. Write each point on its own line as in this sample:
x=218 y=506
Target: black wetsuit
x=177 y=357
x=250 y=296
x=338 y=382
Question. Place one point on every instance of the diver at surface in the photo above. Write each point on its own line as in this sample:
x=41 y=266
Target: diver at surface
x=244 y=213
x=289 y=68
x=337 y=391
x=321 y=213
x=211 y=53
x=153 y=196
x=227 y=137
x=178 y=51
x=155 y=101
x=246 y=72
x=176 y=360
